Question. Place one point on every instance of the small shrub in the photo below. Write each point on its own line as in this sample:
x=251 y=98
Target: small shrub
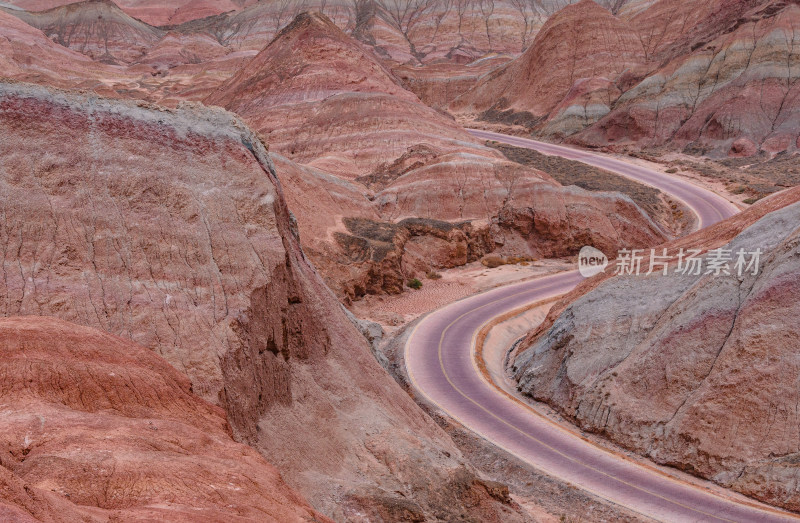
x=739 y=190
x=433 y=275
x=414 y=283
x=751 y=201
x=496 y=261
x=492 y=261
x=671 y=170
x=518 y=259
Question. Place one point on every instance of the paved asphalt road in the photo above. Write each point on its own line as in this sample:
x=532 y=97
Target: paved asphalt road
x=439 y=357
x=708 y=206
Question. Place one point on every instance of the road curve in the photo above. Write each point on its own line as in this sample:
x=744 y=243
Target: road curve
x=441 y=366
x=708 y=206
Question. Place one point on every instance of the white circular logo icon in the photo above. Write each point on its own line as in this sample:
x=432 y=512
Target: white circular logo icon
x=591 y=261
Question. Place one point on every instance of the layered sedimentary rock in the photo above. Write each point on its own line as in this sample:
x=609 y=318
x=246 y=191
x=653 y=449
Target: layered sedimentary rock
x=717 y=78
x=578 y=65
x=438 y=84
x=27 y=54
x=153 y=12
x=96 y=427
x=96 y=28
x=696 y=371
x=169 y=228
x=526 y=214
x=735 y=94
x=425 y=32
x=321 y=99
x=176 y=49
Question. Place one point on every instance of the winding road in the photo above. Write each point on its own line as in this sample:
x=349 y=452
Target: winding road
x=441 y=366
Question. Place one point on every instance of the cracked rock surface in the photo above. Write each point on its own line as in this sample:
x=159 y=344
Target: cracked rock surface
x=169 y=228
x=698 y=371
x=94 y=428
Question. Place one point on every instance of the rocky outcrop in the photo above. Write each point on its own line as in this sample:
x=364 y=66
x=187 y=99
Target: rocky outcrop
x=578 y=65
x=95 y=427
x=696 y=371
x=734 y=93
x=96 y=28
x=383 y=256
x=116 y=216
x=323 y=99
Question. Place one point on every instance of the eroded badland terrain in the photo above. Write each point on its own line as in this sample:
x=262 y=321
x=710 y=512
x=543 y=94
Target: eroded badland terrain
x=220 y=222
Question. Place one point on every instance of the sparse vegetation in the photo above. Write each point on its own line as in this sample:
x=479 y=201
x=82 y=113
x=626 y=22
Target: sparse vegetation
x=414 y=283
x=569 y=172
x=755 y=176
x=493 y=261
x=433 y=275
x=671 y=170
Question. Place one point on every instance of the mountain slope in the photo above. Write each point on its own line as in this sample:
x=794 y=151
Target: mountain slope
x=95 y=427
x=696 y=371
x=96 y=28
x=734 y=95
x=568 y=78
x=321 y=98
x=116 y=216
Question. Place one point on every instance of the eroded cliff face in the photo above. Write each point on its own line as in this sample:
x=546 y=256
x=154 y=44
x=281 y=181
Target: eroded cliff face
x=169 y=228
x=734 y=93
x=715 y=78
x=579 y=64
x=696 y=371
x=96 y=28
x=326 y=103
x=95 y=427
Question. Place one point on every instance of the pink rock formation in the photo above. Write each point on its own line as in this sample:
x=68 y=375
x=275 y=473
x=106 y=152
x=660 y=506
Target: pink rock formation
x=438 y=84
x=567 y=79
x=27 y=54
x=323 y=99
x=175 y=50
x=320 y=98
x=738 y=85
x=153 y=12
x=185 y=11
x=698 y=372
x=96 y=28
x=116 y=216
x=97 y=427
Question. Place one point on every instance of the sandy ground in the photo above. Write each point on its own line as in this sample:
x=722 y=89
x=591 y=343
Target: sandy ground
x=394 y=311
